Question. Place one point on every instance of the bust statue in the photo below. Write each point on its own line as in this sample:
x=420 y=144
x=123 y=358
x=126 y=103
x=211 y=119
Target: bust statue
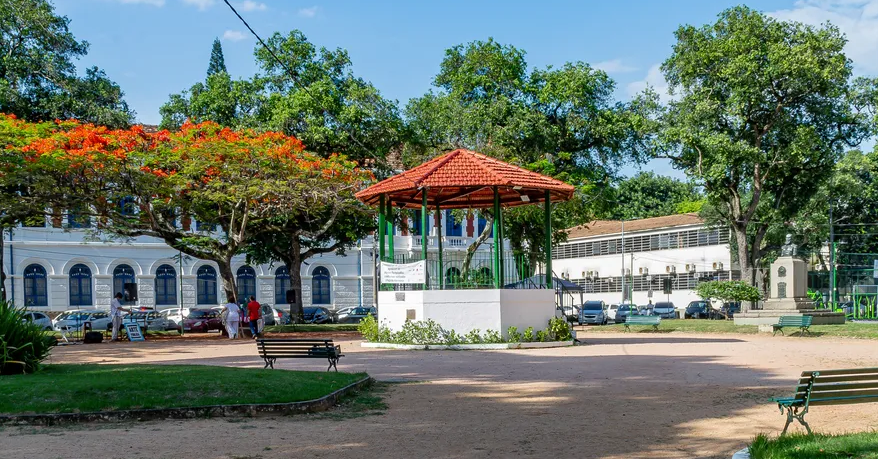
x=789 y=249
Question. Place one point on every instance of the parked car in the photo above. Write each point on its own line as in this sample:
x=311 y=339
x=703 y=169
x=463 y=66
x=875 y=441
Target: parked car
x=175 y=315
x=73 y=320
x=611 y=312
x=269 y=315
x=727 y=311
x=151 y=320
x=282 y=317
x=40 y=319
x=593 y=312
x=624 y=311
x=203 y=320
x=355 y=315
x=571 y=312
x=645 y=310
x=697 y=310
x=317 y=315
x=665 y=310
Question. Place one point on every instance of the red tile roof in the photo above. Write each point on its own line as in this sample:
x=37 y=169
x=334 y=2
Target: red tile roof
x=465 y=179
x=602 y=227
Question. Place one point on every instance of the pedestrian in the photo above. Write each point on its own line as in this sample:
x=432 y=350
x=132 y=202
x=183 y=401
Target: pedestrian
x=233 y=318
x=116 y=315
x=254 y=312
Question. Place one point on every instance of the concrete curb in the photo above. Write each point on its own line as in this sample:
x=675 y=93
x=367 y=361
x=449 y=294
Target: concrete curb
x=743 y=454
x=245 y=410
x=467 y=347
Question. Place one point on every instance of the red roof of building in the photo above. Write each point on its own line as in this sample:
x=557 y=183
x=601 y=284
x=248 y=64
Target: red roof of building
x=466 y=179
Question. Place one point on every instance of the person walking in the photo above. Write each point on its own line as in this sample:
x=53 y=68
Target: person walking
x=254 y=311
x=116 y=315
x=233 y=319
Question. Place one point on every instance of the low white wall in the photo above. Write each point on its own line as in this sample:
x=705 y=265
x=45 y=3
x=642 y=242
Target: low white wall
x=467 y=310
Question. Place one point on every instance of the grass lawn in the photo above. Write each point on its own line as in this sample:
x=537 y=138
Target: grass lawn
x=850 y=330
x=310 y=328
x=863 y=445
x=92 y=387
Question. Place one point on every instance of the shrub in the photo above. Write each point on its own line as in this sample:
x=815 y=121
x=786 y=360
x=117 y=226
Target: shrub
x=728 y=291
x=528 y=335
x=542 y=336
x=23 y=345
x=368 y=327
x=474 y=337
x=512 y=335
x=559 y=329
x=453 y=339
x=419 y=332
x=492 y=337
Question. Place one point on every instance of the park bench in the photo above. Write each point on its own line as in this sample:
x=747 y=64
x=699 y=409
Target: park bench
x=272 y=349
x=830 y=387
x=800 y=322
x=642 y=320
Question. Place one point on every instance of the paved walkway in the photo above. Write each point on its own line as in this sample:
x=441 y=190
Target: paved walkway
x=638 y=395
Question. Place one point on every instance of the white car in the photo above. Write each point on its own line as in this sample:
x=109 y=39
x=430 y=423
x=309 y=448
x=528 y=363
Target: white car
x=73 y=320
x=175 y=315
x=40 y=319
x=611 y=312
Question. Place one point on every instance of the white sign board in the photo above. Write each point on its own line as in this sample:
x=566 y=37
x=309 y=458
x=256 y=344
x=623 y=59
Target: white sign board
x=875 y=269
x=409 y=273
x=134 y=333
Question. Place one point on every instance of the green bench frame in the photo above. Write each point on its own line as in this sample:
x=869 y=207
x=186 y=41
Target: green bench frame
x=642 y=320
x=829 y=387
x=272 y=349
x=800 y=322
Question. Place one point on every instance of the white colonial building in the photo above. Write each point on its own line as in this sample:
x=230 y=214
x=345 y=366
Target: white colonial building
x=676 y=247
x=57 y=266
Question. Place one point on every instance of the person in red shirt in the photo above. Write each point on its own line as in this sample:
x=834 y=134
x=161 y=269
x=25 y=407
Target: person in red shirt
x=254 y=311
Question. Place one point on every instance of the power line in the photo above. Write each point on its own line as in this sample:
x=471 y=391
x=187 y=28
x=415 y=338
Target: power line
x=294 y=76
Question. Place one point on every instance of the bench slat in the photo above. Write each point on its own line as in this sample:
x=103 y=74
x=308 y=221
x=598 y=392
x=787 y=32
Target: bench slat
x=803 y=383
x=852 y=371
x=819 y=388
x=844 y=393
x=845 y=400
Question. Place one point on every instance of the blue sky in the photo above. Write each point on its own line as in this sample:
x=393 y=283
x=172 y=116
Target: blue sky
x=153 y=48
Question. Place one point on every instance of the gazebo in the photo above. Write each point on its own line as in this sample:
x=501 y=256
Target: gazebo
x=463 y=179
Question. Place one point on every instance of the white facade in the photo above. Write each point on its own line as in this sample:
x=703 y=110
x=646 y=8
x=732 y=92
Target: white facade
x=54 y=269
x=686 y=254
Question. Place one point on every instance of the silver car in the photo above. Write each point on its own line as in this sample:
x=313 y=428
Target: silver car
x=40 y=319
x=71 y=321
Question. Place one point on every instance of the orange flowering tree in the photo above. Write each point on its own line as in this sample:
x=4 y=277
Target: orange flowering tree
x=232 y=183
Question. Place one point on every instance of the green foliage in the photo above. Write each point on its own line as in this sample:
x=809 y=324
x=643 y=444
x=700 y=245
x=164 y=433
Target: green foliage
x=368 y=327
x=453 y=339
x=759 y=130
x=419 y=332
x=217 y=61
x=542 y=336
x=492 y=337
x=728 y=291
x=650 y=195
x=818 y=446
x=559 y=330
x=513 y=335
x=528 y=335
x=38 y=79
x=474 y=337
x=23 y=344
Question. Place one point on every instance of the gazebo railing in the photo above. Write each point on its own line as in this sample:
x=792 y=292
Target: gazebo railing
x=480 y=275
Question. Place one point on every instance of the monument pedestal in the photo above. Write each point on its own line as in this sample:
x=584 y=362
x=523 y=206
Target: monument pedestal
x=789 y=286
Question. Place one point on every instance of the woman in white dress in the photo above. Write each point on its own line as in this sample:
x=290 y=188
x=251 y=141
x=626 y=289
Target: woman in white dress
x=233 y=319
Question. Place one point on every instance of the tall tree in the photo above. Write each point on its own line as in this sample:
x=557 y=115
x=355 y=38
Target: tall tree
x=217 y=61
x=38 y=79
x=650 y=195
x=764 y=109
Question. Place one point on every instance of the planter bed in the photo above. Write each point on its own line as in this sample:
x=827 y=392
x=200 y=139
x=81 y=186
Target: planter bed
x=468 y=347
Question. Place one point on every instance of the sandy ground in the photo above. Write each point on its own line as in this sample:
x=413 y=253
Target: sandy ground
x=620 y=396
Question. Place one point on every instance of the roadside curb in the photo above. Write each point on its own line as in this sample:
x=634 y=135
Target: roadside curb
x=467 y=347
x=743 y=454
x=244 y=410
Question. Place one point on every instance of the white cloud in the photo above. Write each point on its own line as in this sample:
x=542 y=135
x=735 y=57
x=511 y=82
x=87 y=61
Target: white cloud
x=614 y=66
x=308 y=12
x=200 y=4
x=158 y=3
x=233 y=35
x=653 y=78
x=250 y=5
x=857 y=19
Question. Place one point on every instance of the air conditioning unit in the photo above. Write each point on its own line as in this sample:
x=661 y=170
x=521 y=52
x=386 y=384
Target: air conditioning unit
x=690 y=267
x=717 y=266
x=644 y=271
x=626 y=272
x=670 y=269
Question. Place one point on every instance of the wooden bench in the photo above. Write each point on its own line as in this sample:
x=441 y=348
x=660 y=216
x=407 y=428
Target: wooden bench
x=272 y=349
x=829 y=387
x=642 y=320
x=800 y=322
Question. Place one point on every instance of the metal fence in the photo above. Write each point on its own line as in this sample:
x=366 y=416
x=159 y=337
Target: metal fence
x=480 y=275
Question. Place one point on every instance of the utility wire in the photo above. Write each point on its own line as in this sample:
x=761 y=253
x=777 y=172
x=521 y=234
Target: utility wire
x=295 y=77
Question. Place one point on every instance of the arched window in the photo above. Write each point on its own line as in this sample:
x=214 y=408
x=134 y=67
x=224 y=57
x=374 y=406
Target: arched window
x=452 y=277
x=246 y=283
x=80 y=285
x=165 y=285
x=123 y=274
x=206 y=277
x=320 y=284
x=452 y=227
x=35 y=288
x=281 y=285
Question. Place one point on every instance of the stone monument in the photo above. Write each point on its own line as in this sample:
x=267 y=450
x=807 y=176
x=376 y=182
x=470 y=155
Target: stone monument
x=788 y=295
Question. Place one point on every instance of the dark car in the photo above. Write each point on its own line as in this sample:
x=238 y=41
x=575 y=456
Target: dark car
x=593 y=312
x=624 y=311
x=728 y=311
x=316 y=315
x=203 y=320
x=355 y=315
x=665 y=310
x=698 y=310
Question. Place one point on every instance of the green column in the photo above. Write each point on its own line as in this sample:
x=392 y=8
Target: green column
x=441 y=269
x=391 y=256
x=548 y=226
x=425 y=232
x=501 y=251
x=381 y=228
x=497 y=240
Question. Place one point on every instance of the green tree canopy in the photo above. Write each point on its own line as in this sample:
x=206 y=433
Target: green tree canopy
x=217 y=62
x=649 y=195
x=38 y=80
x=728 y=291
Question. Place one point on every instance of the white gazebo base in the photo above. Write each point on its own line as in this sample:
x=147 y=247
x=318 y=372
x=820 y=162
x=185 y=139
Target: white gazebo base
x=467 y=310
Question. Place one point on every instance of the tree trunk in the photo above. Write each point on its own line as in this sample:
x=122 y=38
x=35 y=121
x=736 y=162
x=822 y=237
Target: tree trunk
x=471 y=250
x=2 y=267
x=747 y=273
x=294 y=265
x=228 y=279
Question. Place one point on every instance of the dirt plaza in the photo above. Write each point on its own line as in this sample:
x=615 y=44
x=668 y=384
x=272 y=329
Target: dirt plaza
x=634 y=395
